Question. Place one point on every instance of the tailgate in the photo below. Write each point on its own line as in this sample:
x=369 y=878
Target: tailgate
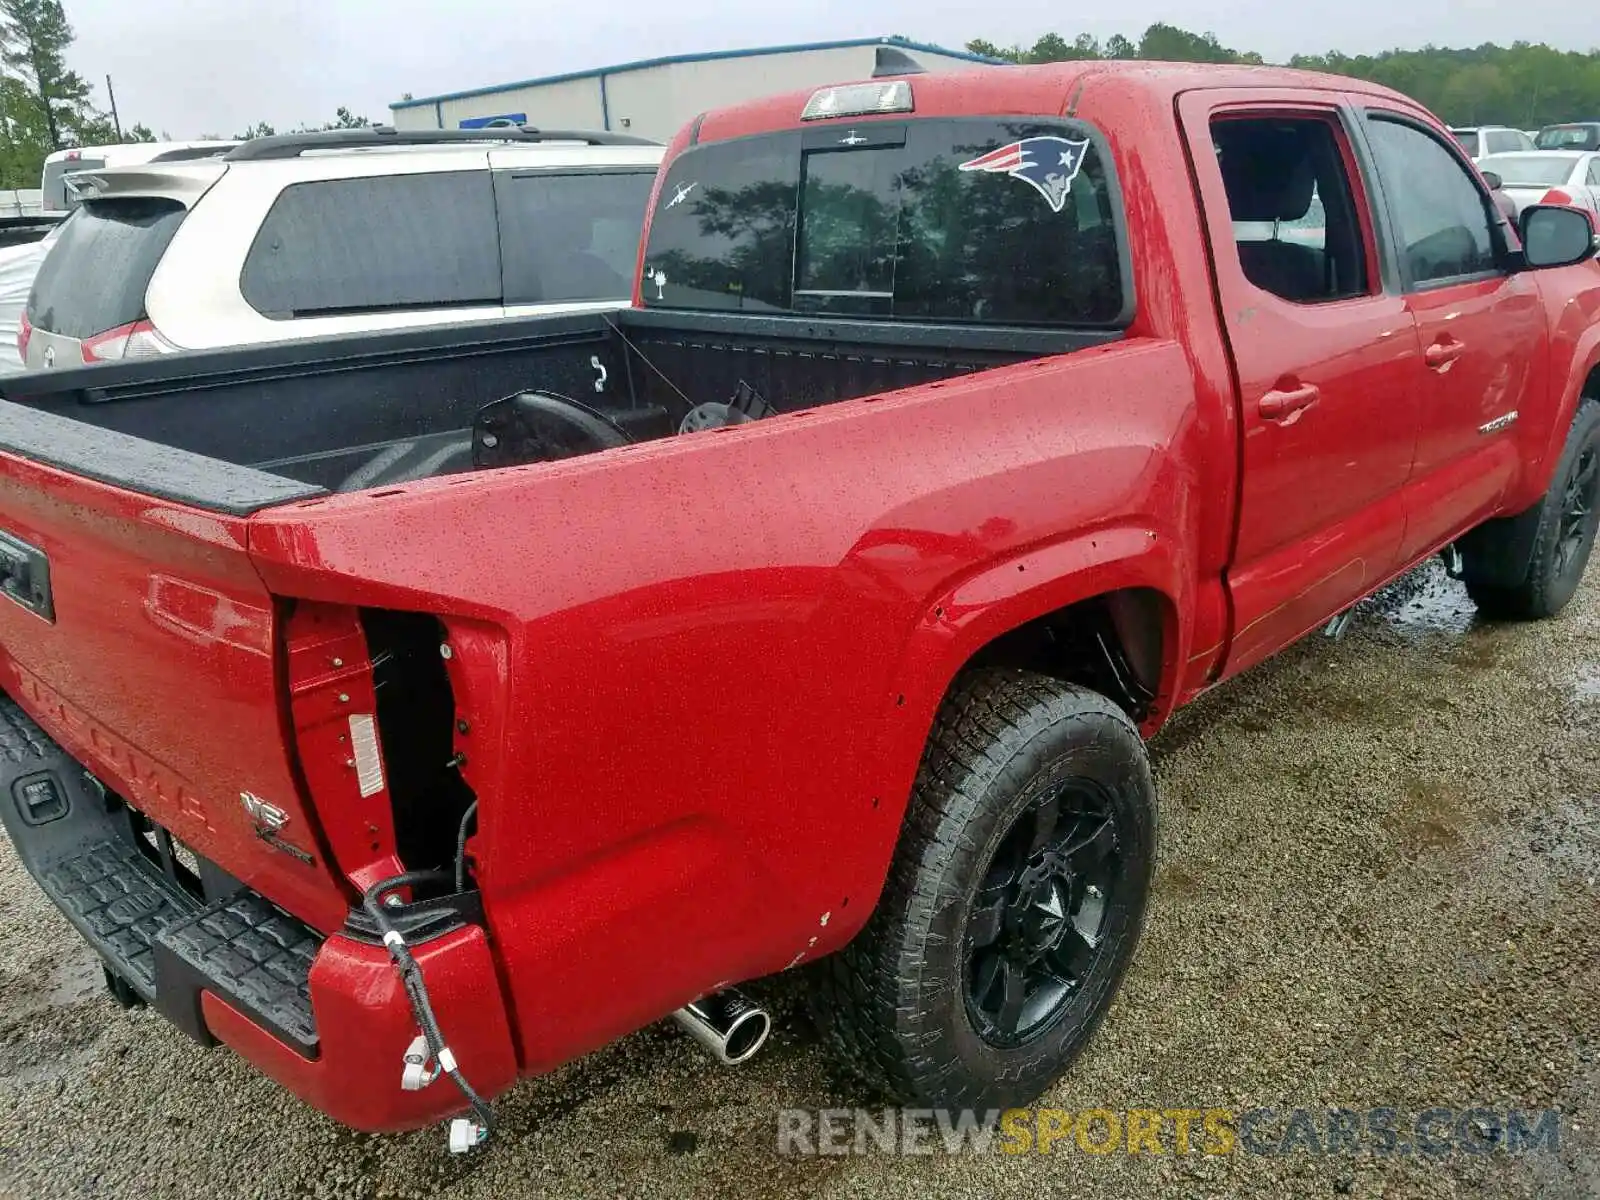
x=134 y=630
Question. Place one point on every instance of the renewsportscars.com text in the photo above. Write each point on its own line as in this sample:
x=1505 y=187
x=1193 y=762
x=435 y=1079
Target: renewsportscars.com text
x=1430 y=1133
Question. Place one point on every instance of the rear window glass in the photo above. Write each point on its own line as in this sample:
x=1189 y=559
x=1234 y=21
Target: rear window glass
x=569 y=236
x=1009 y=222
x=1569 y=137
x=94 y=278
x=1529 y=169
x=388 y=242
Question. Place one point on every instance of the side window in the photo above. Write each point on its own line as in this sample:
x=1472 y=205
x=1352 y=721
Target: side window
x=1594 y=172
x=1444 y=219
x=1294 y=216
x=569 y=236
x=385 y=242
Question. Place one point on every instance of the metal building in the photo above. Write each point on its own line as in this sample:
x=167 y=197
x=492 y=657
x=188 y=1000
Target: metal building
x=655 y=97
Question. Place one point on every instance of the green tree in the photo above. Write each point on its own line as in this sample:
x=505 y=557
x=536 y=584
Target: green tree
x=34 y=36
x=344 y=120
x=1524 y=85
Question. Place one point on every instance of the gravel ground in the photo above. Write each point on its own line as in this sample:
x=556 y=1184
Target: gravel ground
x=1378 y=886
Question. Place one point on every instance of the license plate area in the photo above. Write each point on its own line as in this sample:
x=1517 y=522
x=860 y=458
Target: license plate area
x=25 y=576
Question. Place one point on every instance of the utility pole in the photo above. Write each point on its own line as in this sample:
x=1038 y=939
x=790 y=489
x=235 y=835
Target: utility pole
x=115 y=120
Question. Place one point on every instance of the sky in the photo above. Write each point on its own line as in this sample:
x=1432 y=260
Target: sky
x=187 y=67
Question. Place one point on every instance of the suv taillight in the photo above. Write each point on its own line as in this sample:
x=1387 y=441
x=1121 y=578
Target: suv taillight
x=24 y=335
x=138 y=340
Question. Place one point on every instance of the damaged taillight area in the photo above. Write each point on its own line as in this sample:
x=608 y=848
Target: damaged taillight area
x=333 y=705
x=375 y=725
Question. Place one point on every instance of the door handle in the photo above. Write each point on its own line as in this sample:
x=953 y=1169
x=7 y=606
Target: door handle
x=1441 y=354
x=1278 y=405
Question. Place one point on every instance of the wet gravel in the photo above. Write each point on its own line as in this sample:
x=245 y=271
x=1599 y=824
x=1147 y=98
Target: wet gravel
x=1378 y=887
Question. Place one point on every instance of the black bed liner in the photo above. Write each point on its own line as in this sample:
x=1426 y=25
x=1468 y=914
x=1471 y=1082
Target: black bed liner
x=239 y=430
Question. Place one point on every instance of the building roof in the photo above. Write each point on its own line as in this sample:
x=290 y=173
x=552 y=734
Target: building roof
x=708 y=56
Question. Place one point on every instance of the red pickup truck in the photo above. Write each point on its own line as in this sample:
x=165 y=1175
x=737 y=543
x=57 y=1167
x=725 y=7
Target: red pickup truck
x=517 y=685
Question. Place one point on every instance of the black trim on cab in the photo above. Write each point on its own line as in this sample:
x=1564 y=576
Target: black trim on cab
x=908 y=335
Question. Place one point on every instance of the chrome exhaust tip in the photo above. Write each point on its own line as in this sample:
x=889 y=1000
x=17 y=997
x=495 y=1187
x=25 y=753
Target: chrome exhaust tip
x=728 y=1024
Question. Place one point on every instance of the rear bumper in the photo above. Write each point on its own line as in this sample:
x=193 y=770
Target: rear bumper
x=324 y=1015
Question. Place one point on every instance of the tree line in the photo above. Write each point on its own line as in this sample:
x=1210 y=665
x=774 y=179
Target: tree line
x=1524 y=85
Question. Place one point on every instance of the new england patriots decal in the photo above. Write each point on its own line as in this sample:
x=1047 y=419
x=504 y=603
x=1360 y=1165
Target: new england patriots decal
x=1047 y=164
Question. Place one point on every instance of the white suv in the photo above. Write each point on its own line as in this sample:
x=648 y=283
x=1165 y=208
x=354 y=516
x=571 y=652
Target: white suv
x=1480 y=141
x=324 y=233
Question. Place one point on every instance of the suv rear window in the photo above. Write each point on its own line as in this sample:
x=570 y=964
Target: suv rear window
x=570 y=236
x=94 y=278
x=1569 y=137
x=385 y=242
x=1009 y=222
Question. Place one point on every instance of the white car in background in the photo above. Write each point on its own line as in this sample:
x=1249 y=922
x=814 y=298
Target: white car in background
x=1570 y=177
x=18 y=265
x=347 y=231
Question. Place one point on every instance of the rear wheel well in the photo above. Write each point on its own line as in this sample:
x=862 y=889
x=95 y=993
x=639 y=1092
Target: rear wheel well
x=1114 y=643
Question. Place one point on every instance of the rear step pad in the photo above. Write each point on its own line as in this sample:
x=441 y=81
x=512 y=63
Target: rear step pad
x=250 y=953
x=165 y=943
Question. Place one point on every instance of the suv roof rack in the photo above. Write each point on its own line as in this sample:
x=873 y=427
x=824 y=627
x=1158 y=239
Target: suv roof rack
x=192 y=152
x=292 y=145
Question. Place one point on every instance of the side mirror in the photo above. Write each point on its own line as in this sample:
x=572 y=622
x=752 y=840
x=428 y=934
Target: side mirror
x=1556 y=236
x=1493 y=180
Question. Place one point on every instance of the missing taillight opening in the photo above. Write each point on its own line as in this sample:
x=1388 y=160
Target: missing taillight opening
x=416 y=728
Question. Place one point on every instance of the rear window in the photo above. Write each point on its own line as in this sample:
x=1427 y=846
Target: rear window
x=1569 y=137
x=570 y=236
x=387 y=242
x=1468 y=139
x=1007 y=222
x=94 y=278
x=1533 y=169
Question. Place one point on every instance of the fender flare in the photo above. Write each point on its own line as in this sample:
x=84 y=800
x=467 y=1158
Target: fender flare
x=968 y=613
x=1585 y=361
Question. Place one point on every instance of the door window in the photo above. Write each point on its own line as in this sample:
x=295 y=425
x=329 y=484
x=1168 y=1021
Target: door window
x=1294 y=216
x=1444 y=218
x=1594 y=172
x=568 y=235
x=385 y=242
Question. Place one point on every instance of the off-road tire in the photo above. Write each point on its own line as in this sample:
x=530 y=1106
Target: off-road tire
x=892 y=1006
x=1549 y=584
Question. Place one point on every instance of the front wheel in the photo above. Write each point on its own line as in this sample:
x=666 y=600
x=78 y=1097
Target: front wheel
x=1567 y=518
x=1015 y=899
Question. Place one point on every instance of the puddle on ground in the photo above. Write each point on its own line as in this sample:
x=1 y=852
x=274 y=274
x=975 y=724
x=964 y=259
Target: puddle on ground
x=1424 y=601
